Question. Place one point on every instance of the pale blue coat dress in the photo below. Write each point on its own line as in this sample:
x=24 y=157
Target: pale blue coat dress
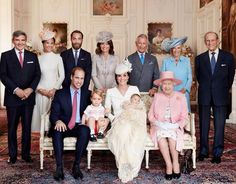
x=181 y=71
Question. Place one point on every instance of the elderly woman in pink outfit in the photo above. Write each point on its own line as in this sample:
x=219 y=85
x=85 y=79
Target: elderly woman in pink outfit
x=168 y=115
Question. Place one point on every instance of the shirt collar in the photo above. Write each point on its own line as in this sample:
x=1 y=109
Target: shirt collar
x=75 y=50
x=72 y=90
x=139 y=53
x=17 y=51
x=97 y=106
x=215 y=51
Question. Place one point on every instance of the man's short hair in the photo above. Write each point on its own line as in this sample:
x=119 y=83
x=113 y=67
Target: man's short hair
x=141 y=36
x=217 y=37
x=77 y=31
x=75 y=69
x=18 y=33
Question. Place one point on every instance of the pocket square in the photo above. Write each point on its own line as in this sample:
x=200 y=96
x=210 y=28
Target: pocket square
x=223 y=64
x=151 y=63
x=82 y=59
x=30 y=62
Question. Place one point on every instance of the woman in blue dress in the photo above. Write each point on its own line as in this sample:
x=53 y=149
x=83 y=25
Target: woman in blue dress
x=178 y=64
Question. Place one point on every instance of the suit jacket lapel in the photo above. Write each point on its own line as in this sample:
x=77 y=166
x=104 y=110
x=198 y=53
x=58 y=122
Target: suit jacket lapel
x=207 y=62
x=68 y=101
x=25 y=58
x=138 y=62
x=81 y=54
x=219 y=60
x=71 y=58
x=15 y=58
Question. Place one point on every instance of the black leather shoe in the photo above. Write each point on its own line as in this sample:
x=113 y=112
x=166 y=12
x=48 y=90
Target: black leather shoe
x=93 y=138
x=100 y=135
x=176 y=175
x=201 y=157
x=168 y=176
x=58 y=174
x=77 y=173
x=27 y=159
x=216 y=160
x=11 y=160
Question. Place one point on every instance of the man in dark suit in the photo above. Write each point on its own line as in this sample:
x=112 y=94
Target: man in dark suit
x=215 y=72
x=76 y=56
x=144 y=67
x=67 y=108
x=20 y=73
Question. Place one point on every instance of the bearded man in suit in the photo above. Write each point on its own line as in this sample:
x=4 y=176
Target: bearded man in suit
x=76 y=56
x=20 y=73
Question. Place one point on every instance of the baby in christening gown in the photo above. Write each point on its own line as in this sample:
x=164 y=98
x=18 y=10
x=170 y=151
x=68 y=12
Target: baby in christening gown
x=127 y=138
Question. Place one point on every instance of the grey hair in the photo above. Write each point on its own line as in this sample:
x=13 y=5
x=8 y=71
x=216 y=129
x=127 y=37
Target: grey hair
x=217 y=37
x=141 y=36
x=18 y=33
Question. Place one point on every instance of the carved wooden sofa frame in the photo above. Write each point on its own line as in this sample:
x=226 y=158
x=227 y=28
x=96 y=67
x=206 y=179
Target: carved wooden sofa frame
x=69 y=142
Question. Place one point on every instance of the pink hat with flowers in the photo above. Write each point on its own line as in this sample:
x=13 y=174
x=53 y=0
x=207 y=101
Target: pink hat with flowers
x=167 y=75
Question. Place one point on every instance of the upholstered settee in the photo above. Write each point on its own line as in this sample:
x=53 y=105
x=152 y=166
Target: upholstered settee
x=69 y=142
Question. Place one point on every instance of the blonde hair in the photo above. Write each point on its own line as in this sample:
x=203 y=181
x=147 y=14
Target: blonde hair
x=97 y=92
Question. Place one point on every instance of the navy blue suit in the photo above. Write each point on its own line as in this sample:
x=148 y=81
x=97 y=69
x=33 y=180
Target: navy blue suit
x=13 y=76
x=84 y=61
x=213 y=91
x=61 y=109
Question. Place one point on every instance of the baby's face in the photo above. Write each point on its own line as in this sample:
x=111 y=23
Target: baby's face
x=135 y=100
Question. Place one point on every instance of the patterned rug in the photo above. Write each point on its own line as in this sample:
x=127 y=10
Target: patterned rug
x=104 y=171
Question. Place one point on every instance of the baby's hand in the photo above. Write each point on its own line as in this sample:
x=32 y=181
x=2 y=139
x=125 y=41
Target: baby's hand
x=107 y=111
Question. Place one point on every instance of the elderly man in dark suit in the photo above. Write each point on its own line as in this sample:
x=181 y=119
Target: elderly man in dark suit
x=67 y=109
x=20 y=73
x=144 y=67
x=215 y=72
x=76 y=56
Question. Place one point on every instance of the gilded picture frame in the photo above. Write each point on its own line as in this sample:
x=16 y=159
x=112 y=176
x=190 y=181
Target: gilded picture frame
x=112 y=7
x=157 y=32
x=60 y=37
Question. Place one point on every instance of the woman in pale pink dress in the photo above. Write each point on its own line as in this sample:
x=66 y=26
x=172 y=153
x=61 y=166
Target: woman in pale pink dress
x=168 y=115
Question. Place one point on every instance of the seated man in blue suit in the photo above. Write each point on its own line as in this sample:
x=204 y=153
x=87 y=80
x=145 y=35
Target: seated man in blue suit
x=67 y=108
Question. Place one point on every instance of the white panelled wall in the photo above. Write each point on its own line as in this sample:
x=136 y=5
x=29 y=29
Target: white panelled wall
x=185 y=15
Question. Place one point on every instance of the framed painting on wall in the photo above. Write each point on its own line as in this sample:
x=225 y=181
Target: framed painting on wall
x=60 y=37
x=157 y=32
x=202 y=3
x=229 y=26
x=103 y=7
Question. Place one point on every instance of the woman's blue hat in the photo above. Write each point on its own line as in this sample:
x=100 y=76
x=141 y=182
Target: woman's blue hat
x=168 y=43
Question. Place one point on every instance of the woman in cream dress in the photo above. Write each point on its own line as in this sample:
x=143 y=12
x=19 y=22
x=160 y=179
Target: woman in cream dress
x=104 y=62
x=127 y=136
x=52 y=75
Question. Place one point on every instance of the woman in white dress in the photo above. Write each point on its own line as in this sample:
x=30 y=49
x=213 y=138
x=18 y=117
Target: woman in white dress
x=125 y=140
x=52 y=76
x=104 y=62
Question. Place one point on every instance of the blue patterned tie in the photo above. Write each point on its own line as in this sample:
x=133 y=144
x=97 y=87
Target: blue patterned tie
x=142 y=58
x=213 y=62
x=76 y=57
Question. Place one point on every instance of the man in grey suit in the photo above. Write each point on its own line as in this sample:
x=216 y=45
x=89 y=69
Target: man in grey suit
x=144 y=67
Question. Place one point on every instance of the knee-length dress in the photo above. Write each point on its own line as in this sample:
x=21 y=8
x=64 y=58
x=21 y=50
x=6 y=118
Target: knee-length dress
x=52 y=76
